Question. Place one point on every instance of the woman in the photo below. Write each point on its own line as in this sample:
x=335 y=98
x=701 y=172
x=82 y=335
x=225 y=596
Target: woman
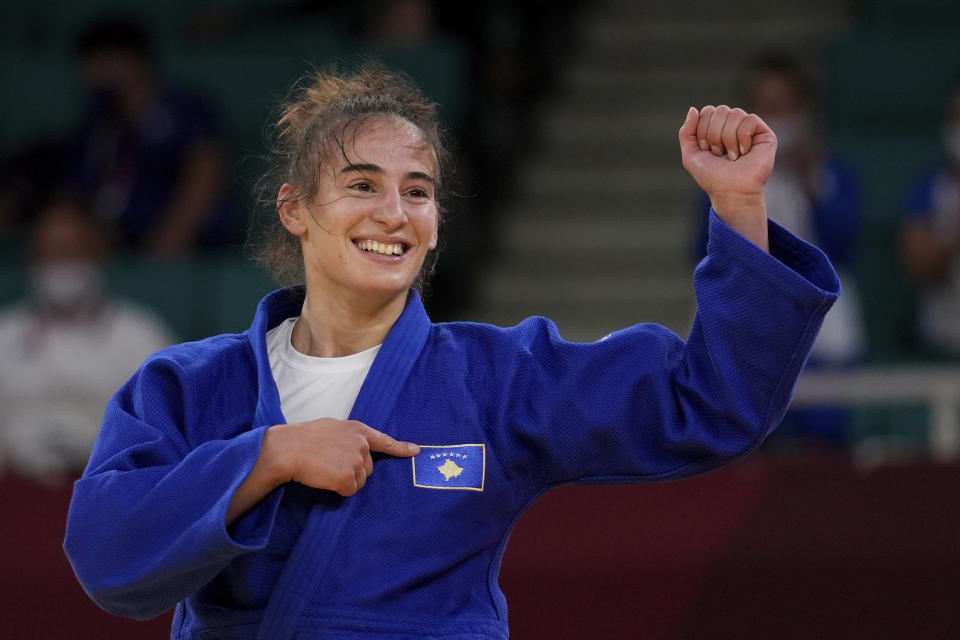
x=228 y=480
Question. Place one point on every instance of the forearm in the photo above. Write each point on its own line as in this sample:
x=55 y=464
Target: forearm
x=757 y=317
x=141 y=539
x=745 y=214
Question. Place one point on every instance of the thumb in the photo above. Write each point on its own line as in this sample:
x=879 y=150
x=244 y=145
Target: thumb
x=383 y=443
x=688 y=133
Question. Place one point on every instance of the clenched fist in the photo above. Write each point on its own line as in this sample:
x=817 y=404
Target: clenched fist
x=730 y=154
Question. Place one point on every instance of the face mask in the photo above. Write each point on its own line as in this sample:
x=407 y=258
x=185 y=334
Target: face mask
x=66 y=285
x=793 y=132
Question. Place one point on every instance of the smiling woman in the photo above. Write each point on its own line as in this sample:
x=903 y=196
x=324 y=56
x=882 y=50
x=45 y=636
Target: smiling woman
x=365 y=232
x=232 y=477
x=317 y=129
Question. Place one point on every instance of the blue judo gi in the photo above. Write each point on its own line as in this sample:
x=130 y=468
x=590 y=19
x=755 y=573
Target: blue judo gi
x=502 y=414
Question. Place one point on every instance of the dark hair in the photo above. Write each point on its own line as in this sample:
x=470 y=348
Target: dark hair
x=115 y=35
x=311 y=124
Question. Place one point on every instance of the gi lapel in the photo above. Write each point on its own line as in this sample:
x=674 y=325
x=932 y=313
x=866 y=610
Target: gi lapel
x=272 y=310
x=308 y=561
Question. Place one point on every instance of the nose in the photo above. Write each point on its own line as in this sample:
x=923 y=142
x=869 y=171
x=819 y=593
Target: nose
x=388 y=210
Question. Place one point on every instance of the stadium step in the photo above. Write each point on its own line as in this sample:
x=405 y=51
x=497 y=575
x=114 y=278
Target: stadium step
x=600 y=235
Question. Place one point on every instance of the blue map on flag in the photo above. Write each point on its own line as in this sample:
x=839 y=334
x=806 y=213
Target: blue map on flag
x=459 y=466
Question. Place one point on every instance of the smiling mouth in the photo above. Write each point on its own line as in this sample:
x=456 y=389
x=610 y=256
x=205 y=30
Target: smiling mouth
x=381 y=248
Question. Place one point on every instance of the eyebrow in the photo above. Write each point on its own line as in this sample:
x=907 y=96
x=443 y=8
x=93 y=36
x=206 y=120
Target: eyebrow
x=372 y=168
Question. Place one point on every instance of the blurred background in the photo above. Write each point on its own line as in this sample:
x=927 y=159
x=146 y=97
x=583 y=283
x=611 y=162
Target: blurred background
x=134 y=135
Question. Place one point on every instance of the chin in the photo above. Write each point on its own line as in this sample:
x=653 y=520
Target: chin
x=383 y=287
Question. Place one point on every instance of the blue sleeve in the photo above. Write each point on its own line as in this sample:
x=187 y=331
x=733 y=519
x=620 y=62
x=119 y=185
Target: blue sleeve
x=642 y=404
x=836 y=214
x=146 y=526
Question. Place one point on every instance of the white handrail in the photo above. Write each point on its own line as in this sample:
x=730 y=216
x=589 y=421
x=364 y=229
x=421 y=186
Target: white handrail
x=938 y=387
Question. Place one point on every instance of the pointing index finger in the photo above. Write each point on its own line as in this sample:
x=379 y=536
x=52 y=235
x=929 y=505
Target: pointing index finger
x=383 y=443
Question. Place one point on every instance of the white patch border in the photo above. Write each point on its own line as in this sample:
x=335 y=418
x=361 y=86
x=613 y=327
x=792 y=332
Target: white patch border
x=483 y=473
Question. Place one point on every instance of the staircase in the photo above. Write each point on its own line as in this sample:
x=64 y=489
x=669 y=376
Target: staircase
x=600 y=235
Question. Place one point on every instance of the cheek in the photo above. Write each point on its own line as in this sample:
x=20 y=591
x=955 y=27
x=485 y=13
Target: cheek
x=427 y=225
x=339 y=217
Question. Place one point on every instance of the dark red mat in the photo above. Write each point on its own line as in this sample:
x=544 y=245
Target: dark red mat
x=763 y=549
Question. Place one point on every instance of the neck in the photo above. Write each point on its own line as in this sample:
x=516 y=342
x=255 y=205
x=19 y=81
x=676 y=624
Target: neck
x=330 y=327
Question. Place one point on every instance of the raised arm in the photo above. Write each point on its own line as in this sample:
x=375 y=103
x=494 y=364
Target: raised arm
x=642 y=404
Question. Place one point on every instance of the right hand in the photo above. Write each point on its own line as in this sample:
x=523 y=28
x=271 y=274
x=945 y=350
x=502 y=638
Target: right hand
x=331 y=454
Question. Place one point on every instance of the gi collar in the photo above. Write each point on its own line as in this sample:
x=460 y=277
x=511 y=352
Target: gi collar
x=389 y=371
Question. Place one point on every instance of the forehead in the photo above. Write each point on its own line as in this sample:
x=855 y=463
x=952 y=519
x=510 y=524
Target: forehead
x=390 y=142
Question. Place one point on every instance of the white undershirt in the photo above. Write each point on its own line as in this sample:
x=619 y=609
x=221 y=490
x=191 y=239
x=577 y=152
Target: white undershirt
x=312 y=387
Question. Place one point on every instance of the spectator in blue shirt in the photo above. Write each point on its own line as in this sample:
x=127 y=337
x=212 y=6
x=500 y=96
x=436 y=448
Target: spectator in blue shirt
x=147 y=158
x=930 y=242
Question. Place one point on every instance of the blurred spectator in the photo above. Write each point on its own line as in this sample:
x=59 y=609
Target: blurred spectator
x=66 y=349
x=815 y=194
x=930 y=242
x=148 y=158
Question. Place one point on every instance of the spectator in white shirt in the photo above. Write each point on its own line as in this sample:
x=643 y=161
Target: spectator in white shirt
x=65 y=349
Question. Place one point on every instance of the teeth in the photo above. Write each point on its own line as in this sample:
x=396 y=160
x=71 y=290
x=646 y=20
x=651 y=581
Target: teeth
x=379 y=247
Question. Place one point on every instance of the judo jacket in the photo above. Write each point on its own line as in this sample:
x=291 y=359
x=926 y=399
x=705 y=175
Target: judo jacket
x=501 y=414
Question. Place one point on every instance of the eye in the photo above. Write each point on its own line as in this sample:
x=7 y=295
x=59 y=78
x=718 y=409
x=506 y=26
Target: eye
x=419 y=193
x=362 y=186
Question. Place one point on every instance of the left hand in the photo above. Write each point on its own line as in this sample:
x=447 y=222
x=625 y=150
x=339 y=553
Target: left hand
x=730 y=154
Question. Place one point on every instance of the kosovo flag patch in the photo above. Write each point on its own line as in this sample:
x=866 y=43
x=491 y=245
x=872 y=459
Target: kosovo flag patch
x=457 y=466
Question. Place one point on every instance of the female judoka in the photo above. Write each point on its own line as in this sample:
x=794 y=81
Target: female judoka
x=348 y=469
